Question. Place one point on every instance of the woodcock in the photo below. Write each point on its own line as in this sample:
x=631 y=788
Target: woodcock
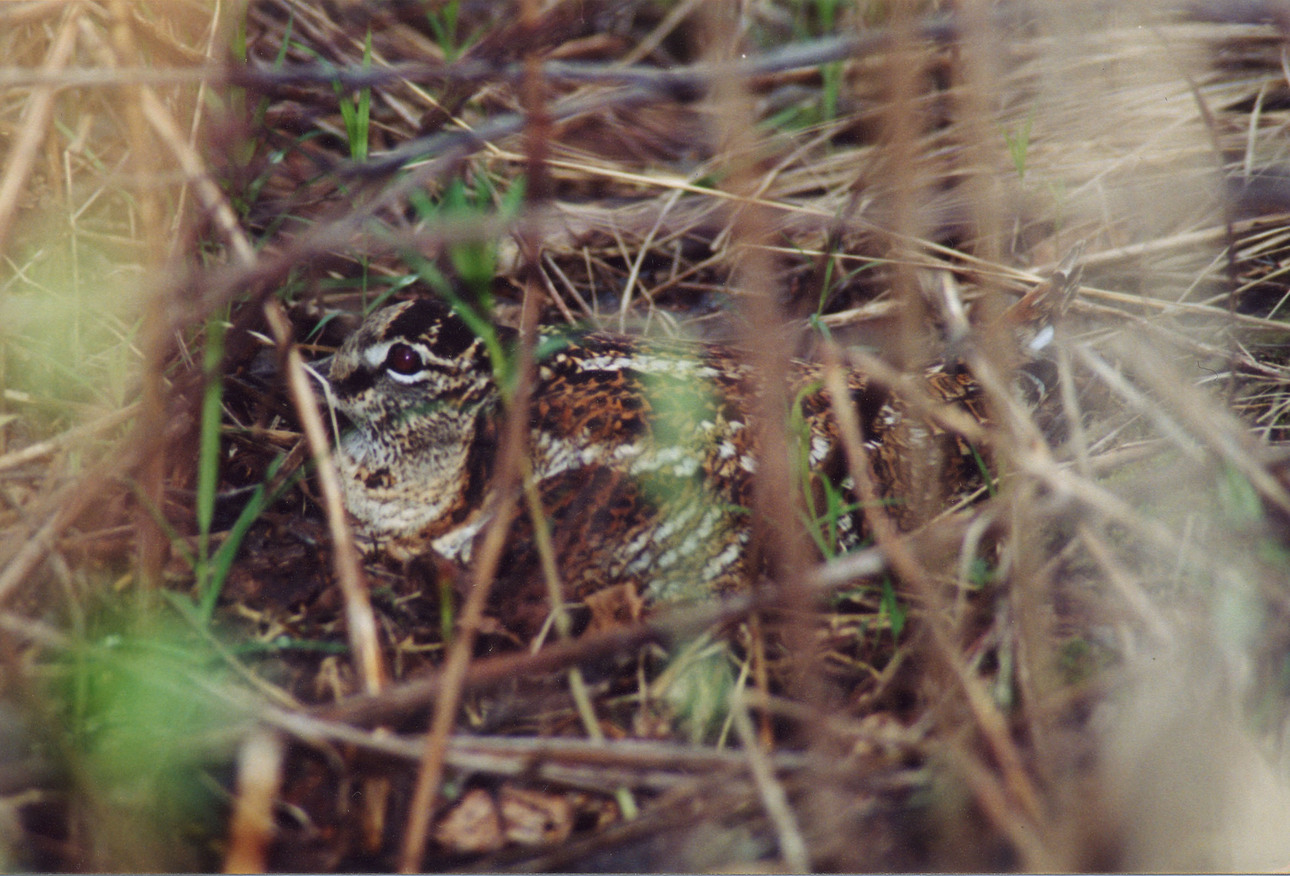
x=643 y=452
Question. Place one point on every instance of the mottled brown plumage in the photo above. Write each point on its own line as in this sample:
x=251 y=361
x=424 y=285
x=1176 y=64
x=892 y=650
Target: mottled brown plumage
x=642 y=451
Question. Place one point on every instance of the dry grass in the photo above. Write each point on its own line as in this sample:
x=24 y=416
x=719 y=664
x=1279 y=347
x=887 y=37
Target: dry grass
x=1086 y=669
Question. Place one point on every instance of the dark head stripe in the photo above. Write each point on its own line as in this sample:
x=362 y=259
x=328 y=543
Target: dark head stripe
x=357 y=381
x=417 y=318
x=433 y=322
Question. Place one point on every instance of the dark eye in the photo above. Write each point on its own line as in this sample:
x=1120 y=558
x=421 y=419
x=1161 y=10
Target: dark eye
x=402 y=359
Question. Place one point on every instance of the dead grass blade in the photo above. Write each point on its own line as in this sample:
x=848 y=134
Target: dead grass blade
x=34 y=126
x=361 y=623
x=259 y=782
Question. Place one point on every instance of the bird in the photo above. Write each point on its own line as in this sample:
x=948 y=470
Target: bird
x=643 y=452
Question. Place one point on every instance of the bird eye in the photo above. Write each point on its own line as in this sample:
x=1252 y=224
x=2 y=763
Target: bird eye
x=402 y=359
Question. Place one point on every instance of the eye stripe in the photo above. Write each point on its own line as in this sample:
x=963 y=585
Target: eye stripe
x=374 y=357
x=428 y=366
x=354 y=383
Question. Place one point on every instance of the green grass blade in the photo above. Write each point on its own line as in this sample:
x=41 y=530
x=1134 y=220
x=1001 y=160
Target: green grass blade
x=208 y=451
x=219 y=565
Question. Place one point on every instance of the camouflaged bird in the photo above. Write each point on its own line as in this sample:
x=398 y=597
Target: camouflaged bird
x=643 y=452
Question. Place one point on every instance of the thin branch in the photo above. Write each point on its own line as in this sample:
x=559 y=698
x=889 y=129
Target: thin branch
x=989 y=719
x=33 y=126
x=259 y=778
x=792 y=847
x=68 y=438
x=360 y=622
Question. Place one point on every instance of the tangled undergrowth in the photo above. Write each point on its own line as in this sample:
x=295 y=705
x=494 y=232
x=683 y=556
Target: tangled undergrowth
x=1085 y=667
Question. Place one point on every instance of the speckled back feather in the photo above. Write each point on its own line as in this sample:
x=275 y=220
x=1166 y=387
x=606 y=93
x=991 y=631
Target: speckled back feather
x=643 y=452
